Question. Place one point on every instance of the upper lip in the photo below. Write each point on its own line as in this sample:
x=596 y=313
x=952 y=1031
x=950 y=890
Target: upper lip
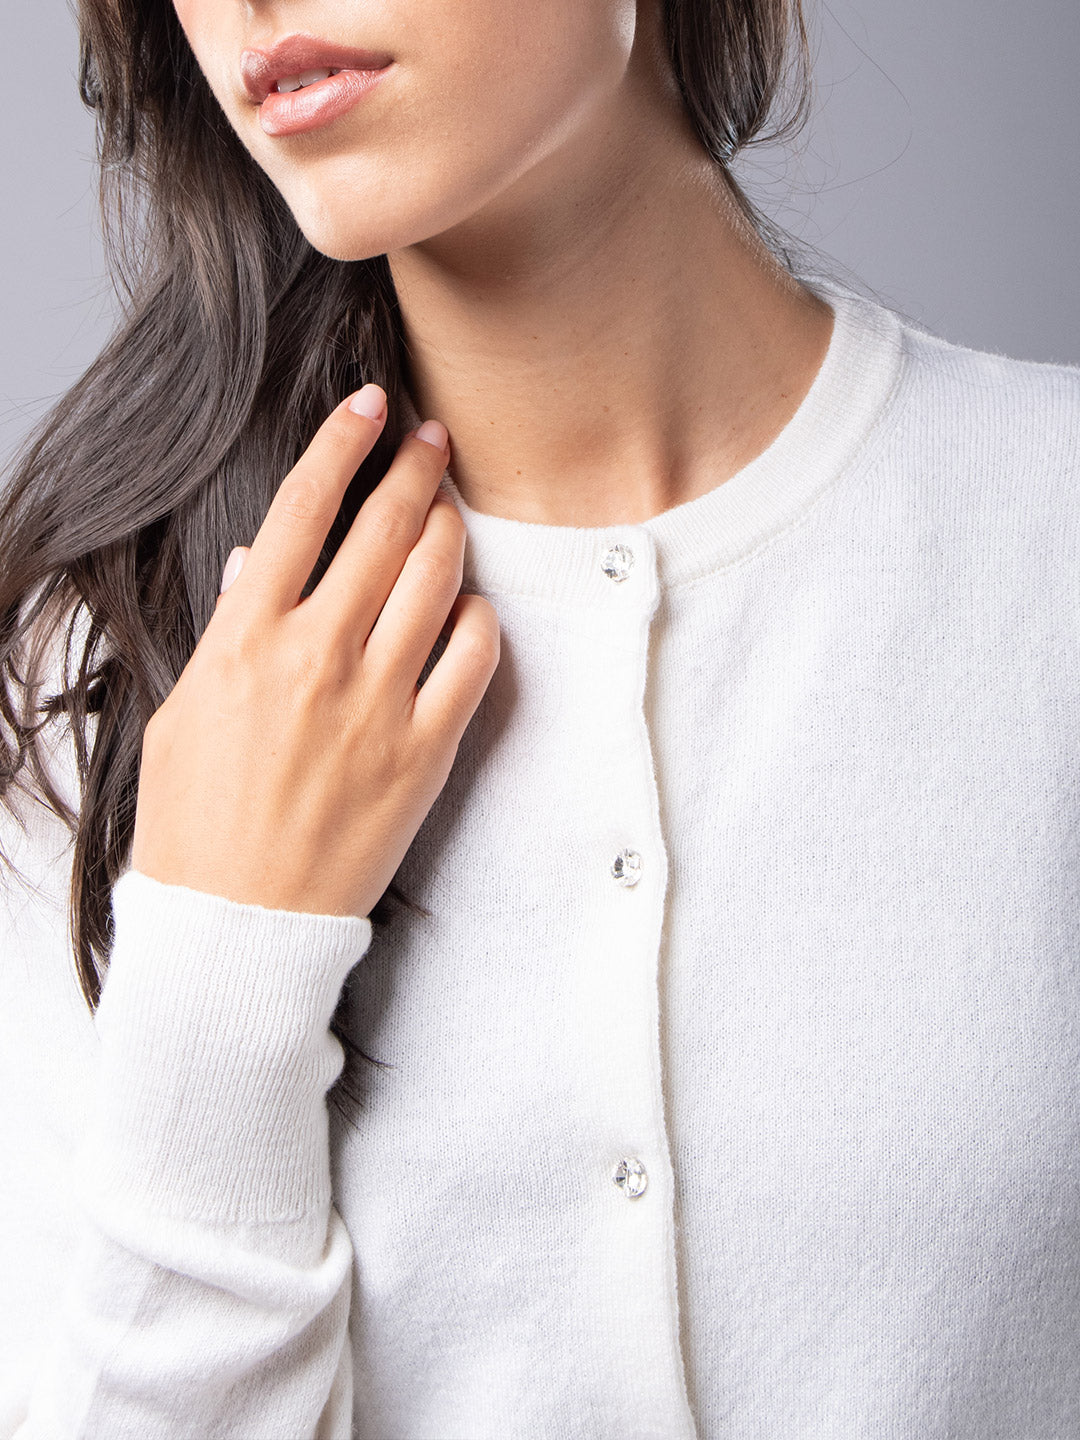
x=262 y=69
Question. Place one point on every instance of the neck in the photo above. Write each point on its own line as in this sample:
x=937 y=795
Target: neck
x=630 y=349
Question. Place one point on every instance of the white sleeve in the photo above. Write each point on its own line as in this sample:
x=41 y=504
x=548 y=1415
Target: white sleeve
x=209 y=1286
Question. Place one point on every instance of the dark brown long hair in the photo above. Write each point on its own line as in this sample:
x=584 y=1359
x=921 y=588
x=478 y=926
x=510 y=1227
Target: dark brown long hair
x=236 y=339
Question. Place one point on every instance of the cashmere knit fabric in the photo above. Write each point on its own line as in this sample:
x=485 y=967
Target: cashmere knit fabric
x=824 y=718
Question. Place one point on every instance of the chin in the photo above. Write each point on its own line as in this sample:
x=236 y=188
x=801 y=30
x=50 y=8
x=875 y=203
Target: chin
x=354 y=235
x=343 y=246
x=356 y=214
x=350 y=236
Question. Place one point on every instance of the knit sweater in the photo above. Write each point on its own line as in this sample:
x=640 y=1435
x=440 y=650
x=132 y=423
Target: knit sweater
x=731 y=1054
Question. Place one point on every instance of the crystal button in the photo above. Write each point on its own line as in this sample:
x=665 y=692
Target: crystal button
x=631 y=1178
x=627 y=867
x=617 y=561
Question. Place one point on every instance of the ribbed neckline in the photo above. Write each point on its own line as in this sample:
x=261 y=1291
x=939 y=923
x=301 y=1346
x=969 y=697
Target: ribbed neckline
x=714 y=530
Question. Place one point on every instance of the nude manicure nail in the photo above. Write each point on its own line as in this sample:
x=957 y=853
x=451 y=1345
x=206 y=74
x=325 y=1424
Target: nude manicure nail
x=369 y=401
x=433 y=432
x=233 y=565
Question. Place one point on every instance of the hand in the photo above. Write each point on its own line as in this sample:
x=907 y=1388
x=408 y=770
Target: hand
x=295 y=759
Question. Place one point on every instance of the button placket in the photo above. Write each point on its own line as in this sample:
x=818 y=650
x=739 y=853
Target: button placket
x=629 y=1175
x=616 y=562
x=620 y=1032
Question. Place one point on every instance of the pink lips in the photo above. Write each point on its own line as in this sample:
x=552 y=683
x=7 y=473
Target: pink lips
x=312 y=105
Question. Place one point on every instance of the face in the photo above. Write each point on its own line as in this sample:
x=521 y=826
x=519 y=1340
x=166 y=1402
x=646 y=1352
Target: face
x=480 y=98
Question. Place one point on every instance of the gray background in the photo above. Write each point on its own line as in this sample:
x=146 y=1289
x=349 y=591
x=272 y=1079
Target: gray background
x=940 y=168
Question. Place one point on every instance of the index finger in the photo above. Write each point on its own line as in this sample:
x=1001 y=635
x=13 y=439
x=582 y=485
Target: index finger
x=291 y=537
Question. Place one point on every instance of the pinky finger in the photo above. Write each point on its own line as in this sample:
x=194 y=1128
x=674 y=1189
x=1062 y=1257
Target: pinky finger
x=448 y=698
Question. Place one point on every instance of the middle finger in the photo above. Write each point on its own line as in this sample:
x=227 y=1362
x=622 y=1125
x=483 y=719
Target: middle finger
x=367 y=563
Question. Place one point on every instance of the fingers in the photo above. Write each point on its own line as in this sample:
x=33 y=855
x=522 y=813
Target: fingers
x=456 y=683
x=370 y=558
x=416 y=609
x=290 y=539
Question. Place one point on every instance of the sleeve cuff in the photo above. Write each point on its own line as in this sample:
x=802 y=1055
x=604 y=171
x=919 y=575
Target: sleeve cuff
x=216 y=1053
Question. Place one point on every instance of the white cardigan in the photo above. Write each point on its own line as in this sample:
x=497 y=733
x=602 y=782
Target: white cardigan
x=757 y=875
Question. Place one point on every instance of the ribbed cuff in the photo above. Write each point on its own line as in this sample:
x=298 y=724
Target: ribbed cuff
x=216 y=1053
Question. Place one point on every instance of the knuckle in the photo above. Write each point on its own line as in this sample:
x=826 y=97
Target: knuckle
x=484 y=648
x=236 y=644
x=310 y=664
x=345 y=436
x=480 y=636
x=449 y=516
x=434 y=573
x=392 y=520
x=319 y=657
x=233 y=664
x=303 y=673
x=302 y=500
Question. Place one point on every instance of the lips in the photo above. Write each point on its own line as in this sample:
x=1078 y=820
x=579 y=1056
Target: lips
x=262 y=69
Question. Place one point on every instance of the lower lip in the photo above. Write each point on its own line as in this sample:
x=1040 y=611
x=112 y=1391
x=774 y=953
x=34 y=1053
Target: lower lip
x=313 y=106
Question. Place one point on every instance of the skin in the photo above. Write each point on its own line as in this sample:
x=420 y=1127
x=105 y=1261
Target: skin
x=295 y=758
x=587 y=313
x=555 y=231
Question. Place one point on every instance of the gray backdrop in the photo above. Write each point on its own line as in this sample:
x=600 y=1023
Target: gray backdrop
x=940 y=167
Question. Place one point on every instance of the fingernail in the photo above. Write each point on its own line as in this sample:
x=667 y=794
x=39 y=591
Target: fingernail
x=233 y=565
x=434 y=432
x=369 y=401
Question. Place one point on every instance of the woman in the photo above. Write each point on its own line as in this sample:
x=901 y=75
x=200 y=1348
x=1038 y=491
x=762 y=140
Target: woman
x=668 y=783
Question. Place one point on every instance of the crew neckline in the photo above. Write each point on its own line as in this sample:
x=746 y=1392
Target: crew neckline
x=725 y=524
